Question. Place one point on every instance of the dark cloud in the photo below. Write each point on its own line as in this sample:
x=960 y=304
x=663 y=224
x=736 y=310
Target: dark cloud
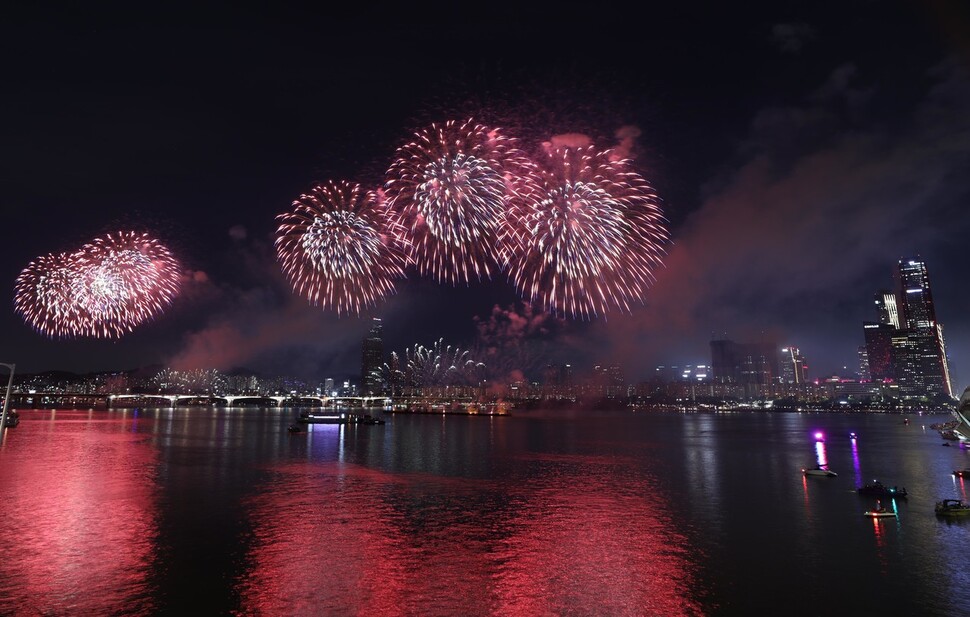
x=776 y=252
x=237 y=232
x=792 y=37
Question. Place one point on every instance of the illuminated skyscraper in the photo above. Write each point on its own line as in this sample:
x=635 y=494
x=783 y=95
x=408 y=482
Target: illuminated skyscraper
x=792 y=366
x=864 y=373
x=919 y=316
x=887 y=309
x=372 y=361
x=906 y=344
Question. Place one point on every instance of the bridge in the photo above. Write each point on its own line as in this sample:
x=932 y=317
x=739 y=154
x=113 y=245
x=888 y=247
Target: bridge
x=280 y=401
x=46 y=399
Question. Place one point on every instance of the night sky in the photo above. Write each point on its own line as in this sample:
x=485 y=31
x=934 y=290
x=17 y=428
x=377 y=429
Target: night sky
x=799 y=150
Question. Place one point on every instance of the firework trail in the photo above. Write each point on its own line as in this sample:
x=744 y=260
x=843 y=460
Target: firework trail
x=592 y=240
x=449 y=189
x=103 y=290
x=339 y=249
x=204 y=381
x=433 y=367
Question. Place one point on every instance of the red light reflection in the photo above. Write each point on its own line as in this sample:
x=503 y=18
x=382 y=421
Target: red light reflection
x=79 y=522
x=345 y=539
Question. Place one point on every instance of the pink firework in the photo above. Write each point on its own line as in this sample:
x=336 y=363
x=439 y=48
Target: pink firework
x=591 y=242
x=339 y=249
x=449 y=189
x=125 y=279
x=103 y=290
x=44 y=295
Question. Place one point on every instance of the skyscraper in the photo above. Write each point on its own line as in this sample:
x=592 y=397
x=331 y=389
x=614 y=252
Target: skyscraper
x=792 y=366
x=879 y=350
x=886 y=308
x=906 y=344
x=926 y=333
x=372 y=361
x=752 y=366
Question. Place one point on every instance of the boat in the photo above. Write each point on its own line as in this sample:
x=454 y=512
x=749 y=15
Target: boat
x=818 y=470
x=878 y=489
x=879 y=512
x=952 y=507
x=295 y=428
x=337 y=417
x=962 y=473
x=12 y=420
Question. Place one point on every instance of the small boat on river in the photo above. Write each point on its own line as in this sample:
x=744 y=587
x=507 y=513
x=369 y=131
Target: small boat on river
x=818 y=470
x=879 y=511
x=878 y=489
x=952 y=507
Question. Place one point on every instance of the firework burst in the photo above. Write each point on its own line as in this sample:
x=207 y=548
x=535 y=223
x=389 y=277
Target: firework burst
x=104 y=290
x=127 y=278
x=437 y=366
x=44 y=296
x=591 y=241
x=449 y=188
x=339 y=249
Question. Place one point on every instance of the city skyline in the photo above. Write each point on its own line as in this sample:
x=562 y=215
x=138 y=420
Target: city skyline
x=794 y=159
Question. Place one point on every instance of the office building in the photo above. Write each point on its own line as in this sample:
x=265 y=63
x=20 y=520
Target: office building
x=886 y=308
x=906 y=344
x=792 y=365
x=372 y=361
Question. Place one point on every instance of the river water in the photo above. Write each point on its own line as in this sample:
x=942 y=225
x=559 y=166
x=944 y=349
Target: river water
x=213 y=511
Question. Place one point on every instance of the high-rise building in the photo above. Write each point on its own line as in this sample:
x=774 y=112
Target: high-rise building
x=906 y=344
x=372 y=361
x=879 y=350
x=915 y=295
x=919 y=316
x=792 y=365
x=886 y=308
x=864 y=373
x=751 y=366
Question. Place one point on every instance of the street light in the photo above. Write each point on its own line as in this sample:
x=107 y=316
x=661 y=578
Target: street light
x=6 y=400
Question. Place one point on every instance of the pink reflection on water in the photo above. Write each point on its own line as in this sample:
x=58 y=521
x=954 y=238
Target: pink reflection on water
x=593 y=543
x=340 y=539
x=79 y=528
x=820 y=456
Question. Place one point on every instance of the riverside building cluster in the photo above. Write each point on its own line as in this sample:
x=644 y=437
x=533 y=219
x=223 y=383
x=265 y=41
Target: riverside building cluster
x=903 y=364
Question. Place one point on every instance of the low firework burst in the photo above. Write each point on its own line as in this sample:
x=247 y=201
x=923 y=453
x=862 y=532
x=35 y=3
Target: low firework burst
x=449 y=188
x=339 y=249
x=592 y=240
x=435 y=367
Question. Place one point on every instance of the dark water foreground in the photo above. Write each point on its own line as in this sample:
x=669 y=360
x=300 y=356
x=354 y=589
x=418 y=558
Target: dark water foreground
x=208 y=511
